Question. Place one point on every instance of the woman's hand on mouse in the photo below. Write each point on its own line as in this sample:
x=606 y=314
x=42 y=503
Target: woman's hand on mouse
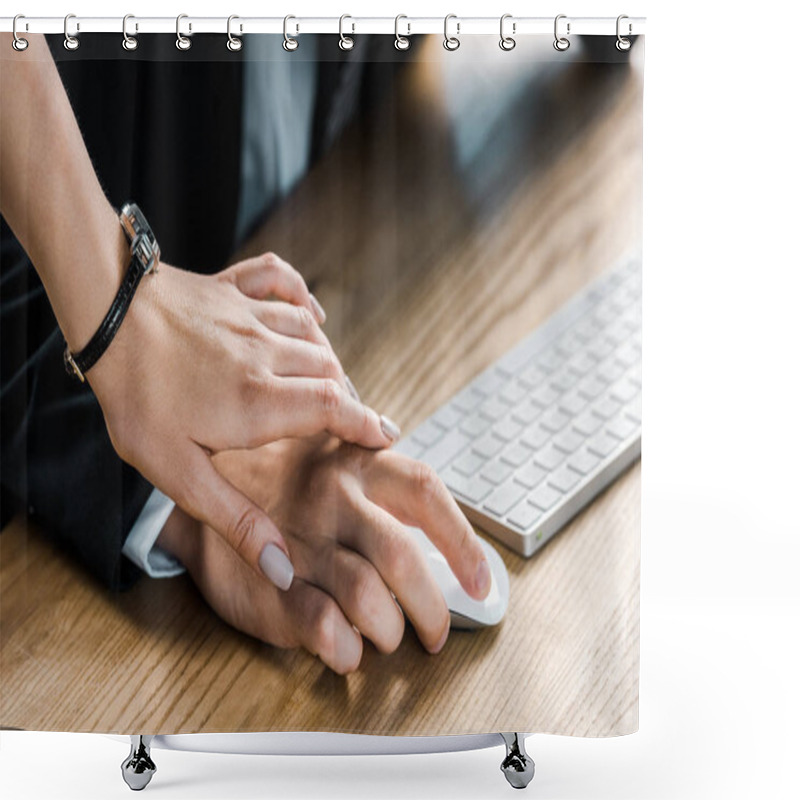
x=342 y=510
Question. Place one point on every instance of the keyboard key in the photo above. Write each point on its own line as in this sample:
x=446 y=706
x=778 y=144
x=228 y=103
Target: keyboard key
x=606 y=407
x=494 y=408
x=524 y=515
x=600 y=348
x=610 y=371
x=549 y=361
x=586 y=329
x=467 y=399
x=568 y=441
x=602 y=444
x=533 y=377
x=427 y=434
x=564 y=478
x=446 y=449
x=621 y=427
x=624 y=390
x=591 y=387
x=475 y=424
x=408 y=447
x=587 y=423
x=584 y=461
x=496 y=472
x=565 y=379
x=526 y=412
x=488 y=445
x=544 y=497
x=504 y=498
x=516 y=454
x=628 y=355
x=447 y=417
x=582 y=363
x=513 y=392
x=573 y=402
x=474 y=489
x=507 y=429
x=554 y=420
x=530 y=475
x=468 y=463
x=634 y=409
x=535 y=437
x=544 y=396
x=549 y=457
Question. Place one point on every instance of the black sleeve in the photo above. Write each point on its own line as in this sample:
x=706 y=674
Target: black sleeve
x=56 y=459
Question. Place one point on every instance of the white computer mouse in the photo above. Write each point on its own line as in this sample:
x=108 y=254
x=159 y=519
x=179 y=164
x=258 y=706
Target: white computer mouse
x=466 y=613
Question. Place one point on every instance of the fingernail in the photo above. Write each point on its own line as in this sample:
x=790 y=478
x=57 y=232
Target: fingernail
x=389 y=428
x=319 y=311
x=351 y=388
x=483 y=578
x=440 y=645
x=276 y=566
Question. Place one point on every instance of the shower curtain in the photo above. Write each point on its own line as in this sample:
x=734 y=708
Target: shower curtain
x=209 y=530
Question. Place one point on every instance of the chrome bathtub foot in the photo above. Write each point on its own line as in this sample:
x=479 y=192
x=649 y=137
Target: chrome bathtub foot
x=517 y=766
x=138 y=768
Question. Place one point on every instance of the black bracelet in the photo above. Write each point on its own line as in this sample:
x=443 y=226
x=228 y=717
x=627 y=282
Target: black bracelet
x=145 y=254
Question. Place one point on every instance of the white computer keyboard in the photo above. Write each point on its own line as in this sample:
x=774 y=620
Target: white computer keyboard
x=536 y=436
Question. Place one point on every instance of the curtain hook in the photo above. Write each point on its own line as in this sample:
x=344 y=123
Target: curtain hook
x=289 y=44
x=451 y=42
x=182 y=42
x=70 y=42
x=401 y=42
x=129 y=42
x=18 y=43
x=346 y=42
x=622 y=44
x=234 y=43
x=561 y=43
x=507 y=42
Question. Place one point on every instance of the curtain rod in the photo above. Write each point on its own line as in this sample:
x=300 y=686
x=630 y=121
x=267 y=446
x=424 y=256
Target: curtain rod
x=405 y=26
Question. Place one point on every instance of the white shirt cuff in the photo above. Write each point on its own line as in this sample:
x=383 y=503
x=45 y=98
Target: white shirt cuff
x=140 y=545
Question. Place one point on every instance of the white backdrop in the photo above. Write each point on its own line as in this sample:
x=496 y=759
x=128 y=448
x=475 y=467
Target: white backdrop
x=721 y=538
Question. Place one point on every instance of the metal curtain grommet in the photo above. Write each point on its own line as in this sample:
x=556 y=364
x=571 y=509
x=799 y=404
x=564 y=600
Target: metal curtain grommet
x=289 y=44
x=401 y=42
x=182 y=42
x=561 y=43
x=507 y=42
x=70 y=42
x=623 y=43
x=234 y=43
x=346 y=42
x=129 y=42
x=18 y=43
x=451 y=42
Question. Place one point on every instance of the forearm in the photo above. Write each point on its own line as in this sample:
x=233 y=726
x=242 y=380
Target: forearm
x=50 y=195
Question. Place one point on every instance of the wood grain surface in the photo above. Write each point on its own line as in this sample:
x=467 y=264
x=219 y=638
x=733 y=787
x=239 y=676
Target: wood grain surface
x=428 y=275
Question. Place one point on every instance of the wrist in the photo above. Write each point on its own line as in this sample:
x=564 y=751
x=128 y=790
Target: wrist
x=180 y=537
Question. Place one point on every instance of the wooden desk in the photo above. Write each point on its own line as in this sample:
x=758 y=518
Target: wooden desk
x=426 y=281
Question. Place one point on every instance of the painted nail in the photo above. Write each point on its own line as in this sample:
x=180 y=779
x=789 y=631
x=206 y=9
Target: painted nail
x=440 y=645
x=276 y=566
x=350 y=388
x=483 y=578
x=319 y=311
x=389 y=428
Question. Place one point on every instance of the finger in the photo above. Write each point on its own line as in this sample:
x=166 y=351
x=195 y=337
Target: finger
x=414 y=493
x=207 y=496
x=322 y=627
x=311 y=405
x=385 y=542
x=356 y=586
x=267 y=275
x=289 y=320
x=301 y=359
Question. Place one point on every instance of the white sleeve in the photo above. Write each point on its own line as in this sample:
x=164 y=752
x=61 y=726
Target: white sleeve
x=140 y=546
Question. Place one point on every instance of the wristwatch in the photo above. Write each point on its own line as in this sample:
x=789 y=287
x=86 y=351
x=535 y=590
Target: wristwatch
x=145 y=255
